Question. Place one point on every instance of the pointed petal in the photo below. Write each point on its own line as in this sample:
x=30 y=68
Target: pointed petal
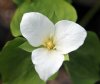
x=46 y=62
x=36 y=27
x=69 y=36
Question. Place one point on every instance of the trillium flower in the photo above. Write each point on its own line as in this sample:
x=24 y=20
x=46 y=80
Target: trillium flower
x=53 y=41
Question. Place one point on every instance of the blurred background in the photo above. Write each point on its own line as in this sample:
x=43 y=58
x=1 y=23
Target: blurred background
x=88 y=16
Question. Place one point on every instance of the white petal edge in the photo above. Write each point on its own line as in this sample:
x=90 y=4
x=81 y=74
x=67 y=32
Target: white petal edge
x=46 y=62
x=69 y=36
x=36 y=27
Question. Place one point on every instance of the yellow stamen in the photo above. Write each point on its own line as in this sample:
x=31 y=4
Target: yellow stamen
x=49 y=44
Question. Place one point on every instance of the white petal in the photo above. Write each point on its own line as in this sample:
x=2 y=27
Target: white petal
x=46 y=62
x=69 y=36
x=36 y=27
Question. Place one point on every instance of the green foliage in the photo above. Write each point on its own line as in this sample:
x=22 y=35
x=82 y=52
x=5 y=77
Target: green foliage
x=55 y=10
x=84 y=64
x=16 y=66
x=27 y=47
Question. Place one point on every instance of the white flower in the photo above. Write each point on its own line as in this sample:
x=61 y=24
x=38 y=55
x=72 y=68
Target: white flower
x=54 y=41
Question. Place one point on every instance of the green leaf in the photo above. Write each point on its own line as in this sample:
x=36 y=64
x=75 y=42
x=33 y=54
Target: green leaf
x=55 y=10
x=15 y=43
x=27 y=47
x=50 y=9
x=15 y=23
x=66 y=11
x=16 y=66
x=84 y=64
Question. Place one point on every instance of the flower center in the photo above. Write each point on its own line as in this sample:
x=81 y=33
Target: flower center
x=49 y=44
